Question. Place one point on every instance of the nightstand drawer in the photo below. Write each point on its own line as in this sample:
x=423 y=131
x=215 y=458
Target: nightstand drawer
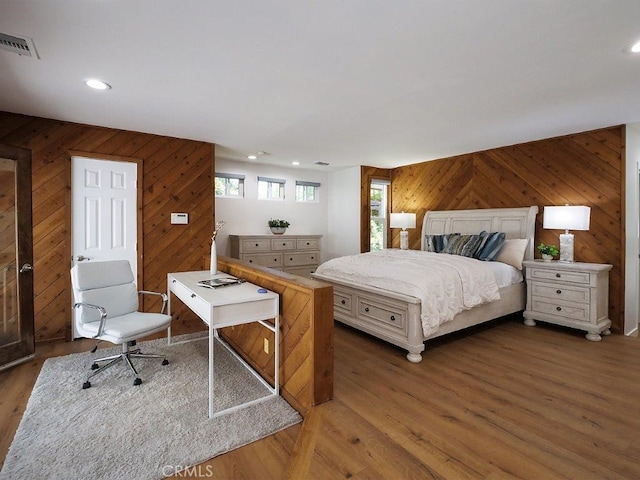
x=257 y=245
x=295 y=259
x=568 y=310
x=264 y=259
x=283 y=244
x=564 y=276
x=558 y=291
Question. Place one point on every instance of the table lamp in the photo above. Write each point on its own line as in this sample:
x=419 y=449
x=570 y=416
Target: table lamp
x=403 y=221
x=568 y=217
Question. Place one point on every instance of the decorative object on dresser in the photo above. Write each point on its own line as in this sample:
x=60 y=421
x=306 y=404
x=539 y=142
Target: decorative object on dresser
x=403 y=221
x=213 y=262
x=568 y=217
x=570 y=294
x=297 y=254
x=547 y=251
x=278 y=227
x=370 y=303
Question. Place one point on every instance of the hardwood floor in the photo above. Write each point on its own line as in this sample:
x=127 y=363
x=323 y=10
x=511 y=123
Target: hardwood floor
x=505 y=401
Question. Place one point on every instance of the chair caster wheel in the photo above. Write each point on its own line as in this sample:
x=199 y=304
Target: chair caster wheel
x=137 y=381
x=86 y=385
x=95 y=366
x=165 y=362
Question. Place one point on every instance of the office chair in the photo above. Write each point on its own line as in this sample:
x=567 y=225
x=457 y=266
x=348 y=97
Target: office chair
x=107 y=299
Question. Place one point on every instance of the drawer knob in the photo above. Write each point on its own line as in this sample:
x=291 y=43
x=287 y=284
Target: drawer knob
x=284 y=244
x=559 y=309
x=275 y=259
x=308 y=243
x=193 y=295
x=558 y=292
x=558 y=275
x=256 y=244
x=343 y=302
x=250 y=261
x=173 y=281
x=393 y=318
x=311 y=258
x=366 y=309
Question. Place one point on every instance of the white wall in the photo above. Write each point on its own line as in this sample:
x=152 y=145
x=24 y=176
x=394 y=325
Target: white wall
x=344 y=213
x=249 y=215
x=632 y=230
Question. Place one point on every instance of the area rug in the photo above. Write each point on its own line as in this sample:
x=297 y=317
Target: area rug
x=115 y=430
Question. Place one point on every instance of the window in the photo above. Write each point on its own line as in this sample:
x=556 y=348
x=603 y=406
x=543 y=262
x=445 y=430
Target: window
x=229 y=185
x=270 y=188
x=378 y=214
x=306 y=191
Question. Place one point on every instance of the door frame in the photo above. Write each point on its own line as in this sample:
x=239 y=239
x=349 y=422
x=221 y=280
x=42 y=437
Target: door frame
x=24 y=224
x=139 y=219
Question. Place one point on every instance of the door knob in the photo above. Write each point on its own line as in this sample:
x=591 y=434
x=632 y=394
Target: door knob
x=80 y=258
x=27 y=267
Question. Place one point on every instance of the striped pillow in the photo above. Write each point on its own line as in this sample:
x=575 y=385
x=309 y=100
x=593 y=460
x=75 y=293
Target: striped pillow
x=434 y=243
x=492 y=245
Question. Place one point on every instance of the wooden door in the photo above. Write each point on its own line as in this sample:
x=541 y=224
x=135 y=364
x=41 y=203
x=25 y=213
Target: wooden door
x=17 y=342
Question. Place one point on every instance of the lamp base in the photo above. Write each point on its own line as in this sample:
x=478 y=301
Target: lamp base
x=566 y=248
x=404 y=240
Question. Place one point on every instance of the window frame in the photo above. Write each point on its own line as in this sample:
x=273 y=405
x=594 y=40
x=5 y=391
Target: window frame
x=227 y=177
x=304 y=184
x=269 y=188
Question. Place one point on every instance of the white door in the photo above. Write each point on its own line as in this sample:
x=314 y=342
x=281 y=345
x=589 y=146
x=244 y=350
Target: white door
x=103 y=211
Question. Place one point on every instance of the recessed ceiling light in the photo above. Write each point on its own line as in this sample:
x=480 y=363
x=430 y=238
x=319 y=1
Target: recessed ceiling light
x=252 y=157
x=97 y=84
x=633 y=47
x=295 y=163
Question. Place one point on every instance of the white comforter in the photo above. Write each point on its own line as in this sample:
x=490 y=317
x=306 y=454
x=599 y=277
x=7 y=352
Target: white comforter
x=445 y=284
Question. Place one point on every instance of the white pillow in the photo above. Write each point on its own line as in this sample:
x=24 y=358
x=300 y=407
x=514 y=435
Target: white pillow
x=512 y=252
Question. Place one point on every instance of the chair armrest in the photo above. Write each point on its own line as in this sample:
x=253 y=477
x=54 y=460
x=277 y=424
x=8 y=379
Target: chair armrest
x=103 y=315
x=163 y=295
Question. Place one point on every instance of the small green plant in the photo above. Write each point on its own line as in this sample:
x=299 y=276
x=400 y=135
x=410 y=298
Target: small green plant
x=278 y=223
x=548 y=249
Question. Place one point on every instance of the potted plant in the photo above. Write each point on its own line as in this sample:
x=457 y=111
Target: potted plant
x=547 y=251
x=278 y=227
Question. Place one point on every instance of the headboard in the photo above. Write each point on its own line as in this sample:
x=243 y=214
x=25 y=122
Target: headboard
x=515 y=222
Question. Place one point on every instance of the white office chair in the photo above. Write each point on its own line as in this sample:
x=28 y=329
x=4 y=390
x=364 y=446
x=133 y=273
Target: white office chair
x=107 y=299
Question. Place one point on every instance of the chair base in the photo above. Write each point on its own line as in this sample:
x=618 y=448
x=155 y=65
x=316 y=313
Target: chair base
x=126 y=357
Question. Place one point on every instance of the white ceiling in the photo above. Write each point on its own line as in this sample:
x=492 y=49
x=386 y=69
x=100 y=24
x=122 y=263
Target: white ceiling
x=348 y=82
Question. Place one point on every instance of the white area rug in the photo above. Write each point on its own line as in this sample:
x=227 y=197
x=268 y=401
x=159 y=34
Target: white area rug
x=115 y=430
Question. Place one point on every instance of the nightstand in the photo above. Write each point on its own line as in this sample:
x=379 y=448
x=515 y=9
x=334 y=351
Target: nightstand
x=575 y=295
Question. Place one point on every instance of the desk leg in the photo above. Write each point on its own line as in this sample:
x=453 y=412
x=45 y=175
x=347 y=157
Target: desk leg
x=211 y=340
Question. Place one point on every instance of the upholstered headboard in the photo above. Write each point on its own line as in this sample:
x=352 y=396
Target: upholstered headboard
x=515 y=222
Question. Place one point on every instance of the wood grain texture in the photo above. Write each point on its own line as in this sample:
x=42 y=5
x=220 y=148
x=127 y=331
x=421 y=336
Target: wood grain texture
x=503 y=401
x=177 y=176
x=306 y=340
x=581 y=169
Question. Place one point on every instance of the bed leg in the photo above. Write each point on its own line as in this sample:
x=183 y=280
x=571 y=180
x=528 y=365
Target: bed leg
x=414 y=357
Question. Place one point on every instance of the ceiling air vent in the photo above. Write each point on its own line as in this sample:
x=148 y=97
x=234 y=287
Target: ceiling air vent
x=21 y=45
x=324 y=164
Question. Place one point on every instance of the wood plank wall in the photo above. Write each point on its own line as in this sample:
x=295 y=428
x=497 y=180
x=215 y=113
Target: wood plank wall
x=581 y=169
x=177 y=177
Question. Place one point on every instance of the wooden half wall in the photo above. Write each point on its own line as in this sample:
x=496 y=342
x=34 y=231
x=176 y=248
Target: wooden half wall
x=580 y=169
x=177 y=176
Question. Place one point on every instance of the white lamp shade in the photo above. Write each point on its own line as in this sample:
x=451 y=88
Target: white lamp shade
x=568 y=217
x=402 y=220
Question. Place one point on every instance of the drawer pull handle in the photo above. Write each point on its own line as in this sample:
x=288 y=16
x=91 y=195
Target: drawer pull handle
x=291 y=259
x=559 y=309
x=558 y=292
x=343 y=302
x=393 y=318
x=311 y=258
x=193 y=295
x=173 y=281
x=284 y=244
x=257 y=245
x=250 y=261
x=558 y=275
x=275 y=259
x=308 y=243
x=366 y=309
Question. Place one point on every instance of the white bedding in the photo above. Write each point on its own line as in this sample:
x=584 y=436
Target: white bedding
x=445 y=284
x=505 y=274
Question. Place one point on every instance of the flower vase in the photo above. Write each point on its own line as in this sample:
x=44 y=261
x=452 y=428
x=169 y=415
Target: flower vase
x=546 y=257
x=213 y=266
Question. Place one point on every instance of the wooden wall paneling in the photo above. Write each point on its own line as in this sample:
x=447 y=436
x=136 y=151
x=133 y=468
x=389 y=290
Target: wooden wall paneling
x=52 y=142
x=580 y=169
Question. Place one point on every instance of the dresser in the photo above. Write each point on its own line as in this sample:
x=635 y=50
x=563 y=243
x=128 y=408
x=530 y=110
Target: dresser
x=297 y=254
x=571 y=294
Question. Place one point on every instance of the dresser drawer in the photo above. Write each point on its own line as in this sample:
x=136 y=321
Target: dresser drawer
x=256 y=245
x=307 y=244
x=387 y=316
x=264 y=259
x=578 y=278
x=343 y=301
x=557 y=291
x=283 y=244
x=562 y=309
x=304 y=258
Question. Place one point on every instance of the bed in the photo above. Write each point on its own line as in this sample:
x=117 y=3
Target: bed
x=397 y=316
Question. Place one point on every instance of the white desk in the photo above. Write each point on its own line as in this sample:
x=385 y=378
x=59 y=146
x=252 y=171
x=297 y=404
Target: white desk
x=225 y=307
